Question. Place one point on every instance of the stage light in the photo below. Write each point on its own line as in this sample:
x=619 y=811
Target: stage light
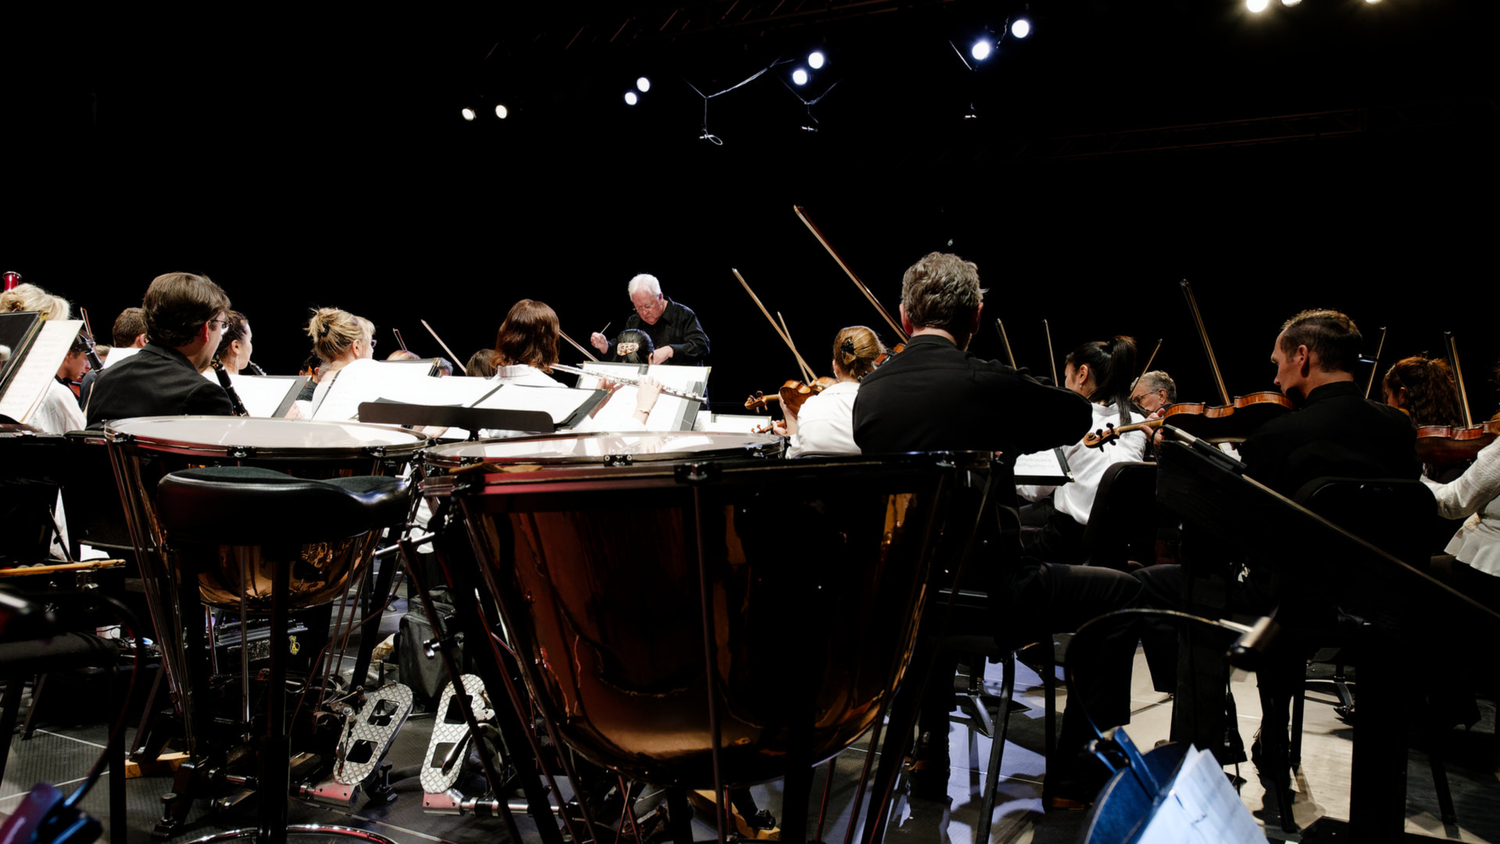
x=468 y=114
x=799 y=77
x=815 y=59
x=1257 y=6
x=1290 y=3
x=502 y=112
x=631 y=98
x=1021 y=28
x=1372 y=2
x=981 y=50
x=643 y=84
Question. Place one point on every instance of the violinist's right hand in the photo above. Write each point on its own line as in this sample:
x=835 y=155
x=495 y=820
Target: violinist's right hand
x=599 y=341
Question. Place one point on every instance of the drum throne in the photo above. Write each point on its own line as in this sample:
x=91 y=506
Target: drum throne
x=264 y=563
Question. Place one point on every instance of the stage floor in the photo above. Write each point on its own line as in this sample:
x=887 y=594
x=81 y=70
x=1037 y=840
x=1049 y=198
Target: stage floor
x=61 y=754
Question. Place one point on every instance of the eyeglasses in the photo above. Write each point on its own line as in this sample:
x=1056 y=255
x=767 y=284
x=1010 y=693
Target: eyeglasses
x=223 y=324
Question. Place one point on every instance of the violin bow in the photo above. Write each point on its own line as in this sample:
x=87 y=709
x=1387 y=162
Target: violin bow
x=88 y=332
x=1051 y=358
x=1213 y=363
x=1458 y=377
x=807 y=370
x=451 y=355
x=1152 y=359
x=400 y=342
x=586 y=352
x=787 y=329
x=1005 y=341
x=812 y=227
x=1375 y=364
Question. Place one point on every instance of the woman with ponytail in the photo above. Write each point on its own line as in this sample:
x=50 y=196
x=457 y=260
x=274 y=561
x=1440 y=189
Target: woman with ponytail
x=825 y=424
x=1102 y=372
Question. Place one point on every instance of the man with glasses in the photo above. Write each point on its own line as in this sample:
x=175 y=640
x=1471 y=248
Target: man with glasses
x=184 y=324
x=673 y=327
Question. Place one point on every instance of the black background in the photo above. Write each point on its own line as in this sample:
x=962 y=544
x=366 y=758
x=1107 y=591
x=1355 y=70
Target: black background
x=310 y=159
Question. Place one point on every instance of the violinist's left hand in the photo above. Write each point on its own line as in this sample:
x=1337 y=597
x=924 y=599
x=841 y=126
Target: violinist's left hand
x=662 y=354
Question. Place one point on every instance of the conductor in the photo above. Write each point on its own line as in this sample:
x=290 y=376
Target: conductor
x=673 y=327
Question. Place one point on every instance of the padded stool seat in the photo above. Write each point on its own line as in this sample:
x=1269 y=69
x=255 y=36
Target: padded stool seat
x=197 y=505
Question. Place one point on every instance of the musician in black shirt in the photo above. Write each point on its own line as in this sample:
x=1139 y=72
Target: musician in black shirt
x=184 y=323
x=936 y=396
x=673 y=327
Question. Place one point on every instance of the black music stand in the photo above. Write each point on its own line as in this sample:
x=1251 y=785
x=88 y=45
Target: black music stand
x=471 y=419
x=1206 y=488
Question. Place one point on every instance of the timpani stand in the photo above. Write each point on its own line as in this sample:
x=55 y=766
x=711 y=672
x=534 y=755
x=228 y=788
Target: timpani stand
x=235 y=572
x=686 y=610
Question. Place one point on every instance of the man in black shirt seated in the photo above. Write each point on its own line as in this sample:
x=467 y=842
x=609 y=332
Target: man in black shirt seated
x=673 y=327
x=937 y=396
x=184 y=322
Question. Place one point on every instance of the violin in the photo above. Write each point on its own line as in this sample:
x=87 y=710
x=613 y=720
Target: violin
x=792 y=394
x=1231 y=422
x=1441 y=444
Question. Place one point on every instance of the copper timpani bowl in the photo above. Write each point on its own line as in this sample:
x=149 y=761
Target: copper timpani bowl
x=610 y=555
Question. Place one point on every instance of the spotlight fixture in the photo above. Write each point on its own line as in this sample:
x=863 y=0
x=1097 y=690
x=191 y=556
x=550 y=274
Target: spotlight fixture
x=1257 y=6
x=815 y=59
x=1290 y=3
x=642 y=84
x=631 y=98
x=468 y=114
x=981 y=50
x=501 y=111
x=799 y=77
x=1020 y=28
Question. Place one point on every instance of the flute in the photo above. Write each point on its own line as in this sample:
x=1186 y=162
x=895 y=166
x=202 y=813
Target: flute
x=619 y=379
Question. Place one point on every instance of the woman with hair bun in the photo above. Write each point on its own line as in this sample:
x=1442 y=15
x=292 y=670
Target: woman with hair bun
x=825 y=424
x=339 y=339
x=1102 y=372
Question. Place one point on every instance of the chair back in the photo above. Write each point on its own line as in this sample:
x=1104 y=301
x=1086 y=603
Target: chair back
x=1122 y=525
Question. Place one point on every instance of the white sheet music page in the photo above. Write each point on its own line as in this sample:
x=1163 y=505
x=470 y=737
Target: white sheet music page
x=118 y=354
x=261 y=395
x=24 y=392
x=557 y=403
x=1201 y=808
x=338 y=400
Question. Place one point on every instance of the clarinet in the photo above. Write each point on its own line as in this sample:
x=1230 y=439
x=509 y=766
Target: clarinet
x=234 y=398
x=254 y=369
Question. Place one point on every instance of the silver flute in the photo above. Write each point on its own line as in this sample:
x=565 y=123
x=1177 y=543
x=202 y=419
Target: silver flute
x=620 y=379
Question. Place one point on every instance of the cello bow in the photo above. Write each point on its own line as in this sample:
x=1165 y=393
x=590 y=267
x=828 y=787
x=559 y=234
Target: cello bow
x=812 y=227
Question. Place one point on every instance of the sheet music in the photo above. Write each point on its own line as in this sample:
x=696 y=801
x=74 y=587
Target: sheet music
x=263 y=395
x=557 y=403
x=737 y=423
x=1201 y=808
x=118 y=354
x=670 y=413
x=338 y=399
x=29 y=384
x=1043 y=468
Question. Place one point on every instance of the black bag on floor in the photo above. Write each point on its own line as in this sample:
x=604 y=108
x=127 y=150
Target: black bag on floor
x=426 y=675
